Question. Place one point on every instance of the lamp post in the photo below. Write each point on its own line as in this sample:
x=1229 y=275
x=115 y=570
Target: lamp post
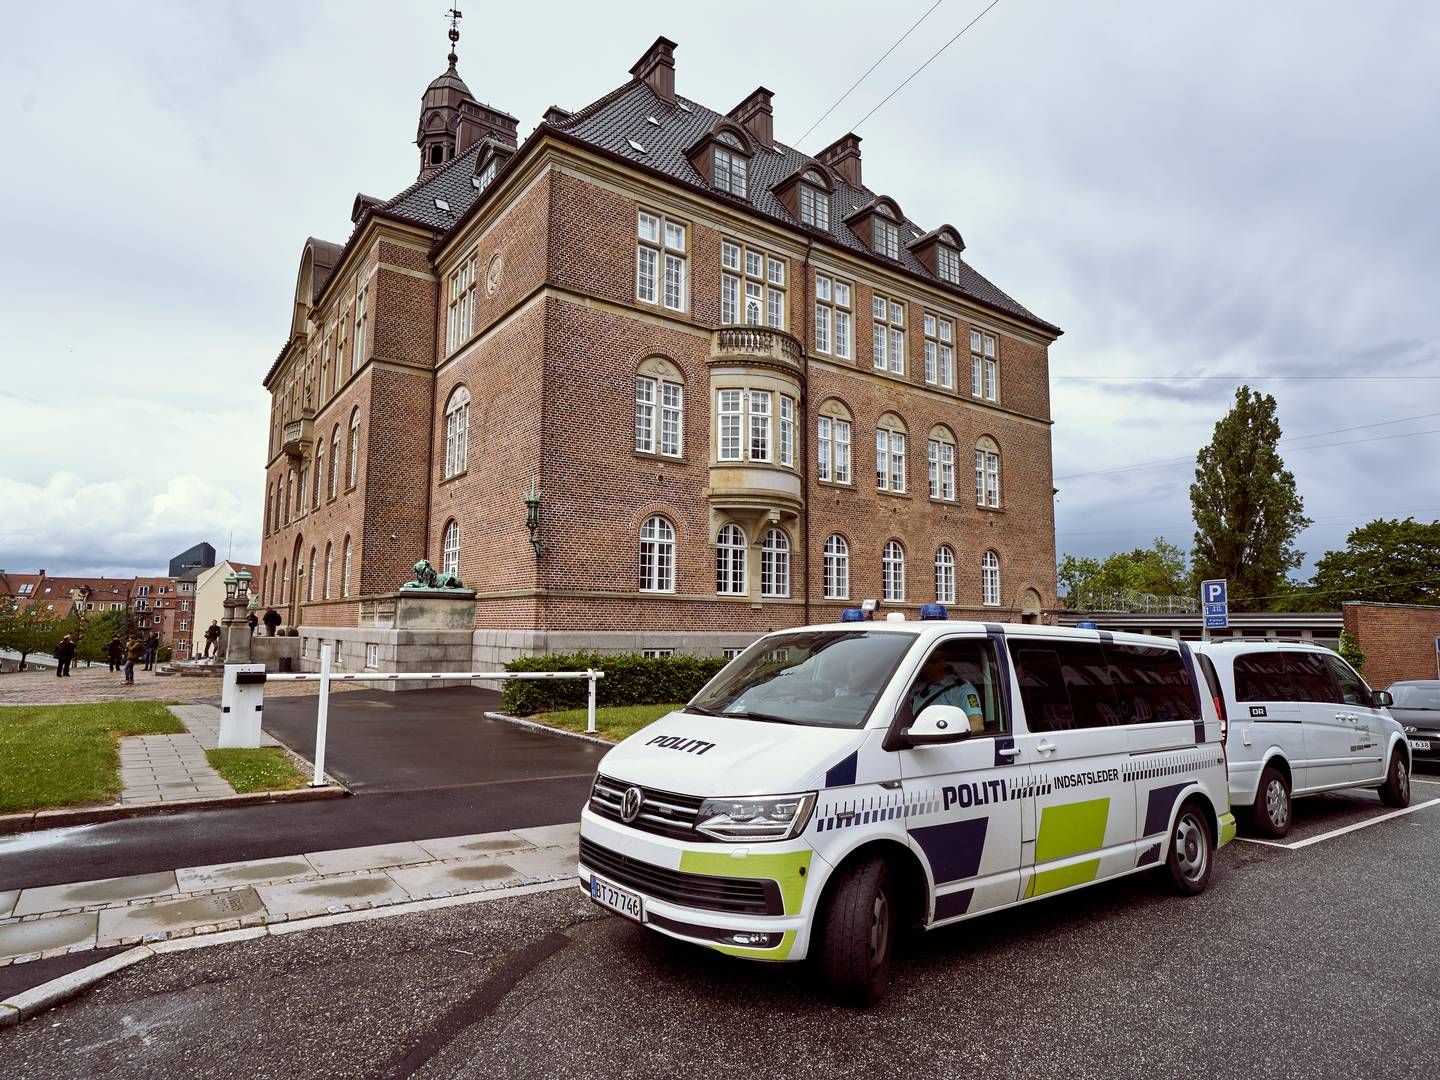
x=532 y=515
x=234 y=631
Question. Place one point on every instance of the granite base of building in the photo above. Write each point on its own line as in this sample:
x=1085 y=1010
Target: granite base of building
x=374 y=648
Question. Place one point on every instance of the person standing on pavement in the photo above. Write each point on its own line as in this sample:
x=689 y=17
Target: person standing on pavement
x=272 y=621
x=212 y=637
x=115 y=653
x=134 y=650
x=64 y=653
x=152 y=649
x=252 y=621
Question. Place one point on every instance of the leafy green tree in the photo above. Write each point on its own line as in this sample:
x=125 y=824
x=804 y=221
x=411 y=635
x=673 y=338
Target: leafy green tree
x=29 y=631
x=1397 y=562
x=1351 y=652
x=97 y=633
x=1159 y=569
x=1247 y=511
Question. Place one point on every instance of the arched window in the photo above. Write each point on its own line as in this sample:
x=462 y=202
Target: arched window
x=310 y=577
x=730 y=561
x=289 y=493
x=890 y=453
x=990 y=579
x=319 y=474
x=264 y=581
x=832 y=441
x=300 y=489
x=893 y=565
x=837 y=568
x=284 y=581
x=944 y=575
x=657 y=555
x=659 y=407
x=354 y=447
x=941 y=457
x=269 y=504
x=450 y=548
x=329 y=567
x=457 y=431
x=345 y=571
x=334 y=460
x=987 y=472
x=774 y=563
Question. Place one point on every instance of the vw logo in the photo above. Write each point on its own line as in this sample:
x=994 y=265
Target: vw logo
x=630 y=807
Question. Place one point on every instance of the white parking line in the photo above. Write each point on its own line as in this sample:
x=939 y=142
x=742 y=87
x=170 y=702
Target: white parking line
x=1436 y=783
x=1344 y=829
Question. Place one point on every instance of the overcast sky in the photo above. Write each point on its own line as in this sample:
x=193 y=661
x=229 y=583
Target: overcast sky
x=1223 y=189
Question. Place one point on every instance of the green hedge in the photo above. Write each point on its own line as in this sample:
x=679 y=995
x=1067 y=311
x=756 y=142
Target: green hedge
x=630 y=679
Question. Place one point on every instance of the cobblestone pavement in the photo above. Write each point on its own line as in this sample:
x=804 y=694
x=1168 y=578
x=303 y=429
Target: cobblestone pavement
x=98 y=683
x=167 y=768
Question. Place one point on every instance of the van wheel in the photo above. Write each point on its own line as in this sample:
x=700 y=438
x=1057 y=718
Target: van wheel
x=1271 y=813
x=1190 y=851
x=858 y=931
x=1396 y=789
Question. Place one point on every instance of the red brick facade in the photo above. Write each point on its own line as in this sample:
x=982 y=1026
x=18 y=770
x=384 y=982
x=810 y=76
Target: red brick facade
x=557 y=337
x=1398 y=640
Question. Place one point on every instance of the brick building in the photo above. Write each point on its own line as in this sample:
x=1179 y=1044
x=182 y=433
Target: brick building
x=1400 y=641
x=748 y=390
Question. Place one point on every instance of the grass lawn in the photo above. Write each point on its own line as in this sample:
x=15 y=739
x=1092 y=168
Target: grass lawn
x=266 y=768
x=64 y=755
x=614 y=722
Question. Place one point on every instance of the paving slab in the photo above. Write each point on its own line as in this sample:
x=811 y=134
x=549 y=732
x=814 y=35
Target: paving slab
x=259 y=871
x=7 y=902
x=374 y=857
x=467 y=875
x=546 y=865
x=552 y=835
x=475 y=845
x=84 y=893
x=128 y=922
x=318 y=895
x=42 y=935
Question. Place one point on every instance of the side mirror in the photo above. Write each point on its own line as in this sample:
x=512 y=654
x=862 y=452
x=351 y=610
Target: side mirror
x=1383 y=699
x=938 y=724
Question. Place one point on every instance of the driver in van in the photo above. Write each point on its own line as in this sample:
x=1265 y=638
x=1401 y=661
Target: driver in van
x=942 y=683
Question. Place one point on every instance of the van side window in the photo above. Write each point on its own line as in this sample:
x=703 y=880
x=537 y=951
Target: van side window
x=962 y=673
x=1352 y=687
x=1151 y=684
x=1065 y=685
x=1283 y=676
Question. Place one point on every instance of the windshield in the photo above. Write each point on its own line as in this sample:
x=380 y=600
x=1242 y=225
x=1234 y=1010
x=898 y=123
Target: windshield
x=1416 y=696
x=826 y=678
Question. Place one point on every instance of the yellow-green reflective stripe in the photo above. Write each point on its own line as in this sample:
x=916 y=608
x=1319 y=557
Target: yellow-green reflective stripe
x=786 y=868
x=780 y=952
x=1063 y=877
x=1227 y=829
x=1071 y=828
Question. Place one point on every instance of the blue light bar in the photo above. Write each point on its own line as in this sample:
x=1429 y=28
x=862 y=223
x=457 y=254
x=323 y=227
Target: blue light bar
x=933 y=611
x=852 y=614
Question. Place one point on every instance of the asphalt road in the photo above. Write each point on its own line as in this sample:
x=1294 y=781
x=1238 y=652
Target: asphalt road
x=1296 y=963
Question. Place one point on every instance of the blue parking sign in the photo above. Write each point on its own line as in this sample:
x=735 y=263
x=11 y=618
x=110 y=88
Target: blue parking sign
x=1213 y=592
x=1216 y=622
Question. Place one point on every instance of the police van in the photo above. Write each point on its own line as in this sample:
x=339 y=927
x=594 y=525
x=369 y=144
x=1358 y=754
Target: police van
x=836 y=784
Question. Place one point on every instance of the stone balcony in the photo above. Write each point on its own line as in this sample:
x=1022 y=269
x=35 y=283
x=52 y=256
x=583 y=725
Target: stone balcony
x=298 y=435
x=756 y=345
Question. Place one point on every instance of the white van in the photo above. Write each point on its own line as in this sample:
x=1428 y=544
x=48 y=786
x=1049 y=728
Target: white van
x=835 y=784
x=1301 y=721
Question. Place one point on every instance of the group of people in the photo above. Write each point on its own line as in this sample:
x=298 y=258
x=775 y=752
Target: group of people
x=124 y=655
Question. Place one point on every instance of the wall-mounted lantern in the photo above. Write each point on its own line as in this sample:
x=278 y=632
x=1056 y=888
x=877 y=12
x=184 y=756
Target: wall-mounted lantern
x=532 y=516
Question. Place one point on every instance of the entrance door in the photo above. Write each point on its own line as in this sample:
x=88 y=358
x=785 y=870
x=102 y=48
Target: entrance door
x=966 y=796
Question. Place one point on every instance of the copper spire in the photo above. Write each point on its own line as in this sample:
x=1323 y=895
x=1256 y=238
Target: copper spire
x=455 y=17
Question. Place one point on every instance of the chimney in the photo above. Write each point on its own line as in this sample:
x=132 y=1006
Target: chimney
x=555 y=115
x=656 y=69
x=843 y=155
x=755 y=116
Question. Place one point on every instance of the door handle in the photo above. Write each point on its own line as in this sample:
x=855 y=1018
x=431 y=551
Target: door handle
x=1045 y=747
x=1009 y=751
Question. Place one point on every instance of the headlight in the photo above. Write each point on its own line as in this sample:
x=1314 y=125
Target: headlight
x=771 y=817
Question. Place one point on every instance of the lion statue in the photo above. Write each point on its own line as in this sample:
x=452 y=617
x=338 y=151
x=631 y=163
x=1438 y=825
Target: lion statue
x=427 y=577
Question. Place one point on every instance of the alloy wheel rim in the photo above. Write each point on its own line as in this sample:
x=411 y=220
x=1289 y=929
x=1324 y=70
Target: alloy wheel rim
x=1275 y=803
x=1402 y=775
x=1192 y=847
x=879 y=928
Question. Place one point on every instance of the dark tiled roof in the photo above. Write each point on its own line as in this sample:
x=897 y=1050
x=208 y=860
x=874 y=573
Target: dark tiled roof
x=622 y=115
x=452 y=184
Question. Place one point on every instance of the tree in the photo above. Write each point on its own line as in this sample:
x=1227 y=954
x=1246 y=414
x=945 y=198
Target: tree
x=97 y=634
x=1351 y=652
x=1397 y=562
x=1160 y=569
x=1247 y=511
x=30 y=631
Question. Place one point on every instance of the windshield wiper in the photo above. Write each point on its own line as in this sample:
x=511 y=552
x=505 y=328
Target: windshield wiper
x=768 y=718
x=702 y=710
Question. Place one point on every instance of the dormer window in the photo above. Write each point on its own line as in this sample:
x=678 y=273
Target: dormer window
x=487 y=174
x=884 y=237
x=814 y=202
x=728 y=169
x=947 y=264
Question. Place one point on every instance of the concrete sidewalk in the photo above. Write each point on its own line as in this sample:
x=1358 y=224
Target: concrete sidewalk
x=168 y=768
x=55 y=920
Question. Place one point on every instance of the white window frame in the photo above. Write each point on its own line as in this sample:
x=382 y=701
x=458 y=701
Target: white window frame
x=657 y=555
x=752 y=286
x=457 y=432
x=987 y=474
x=947 y=264
x=834 y=321
x=730 y=414
x=888 y=334
x=944 y=575
x=345 y=576
x=890 y=446
x=729 y=171
x=760 y=441
x=354 y=471
x=645 y=413
x=787 y=431
x=984 y=365
x=940 y=456
x=731 y=554
x=775 y=564
x=892 y=566
x=990 y=579
x=939 y=350
x=884 y=237
x=837 y=567
x=814 y=207
x=450 y=548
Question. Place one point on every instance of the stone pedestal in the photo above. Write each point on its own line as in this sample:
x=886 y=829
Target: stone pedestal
x=410 y=630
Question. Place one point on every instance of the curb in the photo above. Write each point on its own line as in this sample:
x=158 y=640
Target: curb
x=36 y=820
x=38 y=999
x=533 y=726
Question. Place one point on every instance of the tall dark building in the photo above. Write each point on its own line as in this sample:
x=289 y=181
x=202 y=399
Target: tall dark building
x=201 y=556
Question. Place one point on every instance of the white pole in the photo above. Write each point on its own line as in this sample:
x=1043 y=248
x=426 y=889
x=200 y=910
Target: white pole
x=590 y=704
x=322 y=717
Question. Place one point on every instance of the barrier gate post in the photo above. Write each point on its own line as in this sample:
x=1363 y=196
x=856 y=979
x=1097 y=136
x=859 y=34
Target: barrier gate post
x=590 y=702
x=322 y=717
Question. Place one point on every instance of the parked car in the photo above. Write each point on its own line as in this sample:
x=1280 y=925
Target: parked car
x=836 y=784
x=1300 y=721
x=1417 y=708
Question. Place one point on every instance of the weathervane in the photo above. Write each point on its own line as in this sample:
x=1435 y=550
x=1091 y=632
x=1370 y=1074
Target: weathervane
x=455 y=17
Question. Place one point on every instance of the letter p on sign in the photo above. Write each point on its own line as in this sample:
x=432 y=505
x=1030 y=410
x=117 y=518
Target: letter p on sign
x=1213 y=592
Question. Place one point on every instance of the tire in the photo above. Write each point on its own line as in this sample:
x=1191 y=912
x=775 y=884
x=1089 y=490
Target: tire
x=859 y=930
x=1396 y=789
x=1272 y=813
x=1192 y=851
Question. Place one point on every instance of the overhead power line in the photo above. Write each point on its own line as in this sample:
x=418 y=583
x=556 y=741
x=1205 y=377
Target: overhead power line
x=868 y=70
x=1154 y=529
x=1342 y=589
x=926 y=64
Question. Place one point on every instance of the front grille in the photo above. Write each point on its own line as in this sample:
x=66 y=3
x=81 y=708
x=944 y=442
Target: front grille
x=662 y=812
x=736 y=896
